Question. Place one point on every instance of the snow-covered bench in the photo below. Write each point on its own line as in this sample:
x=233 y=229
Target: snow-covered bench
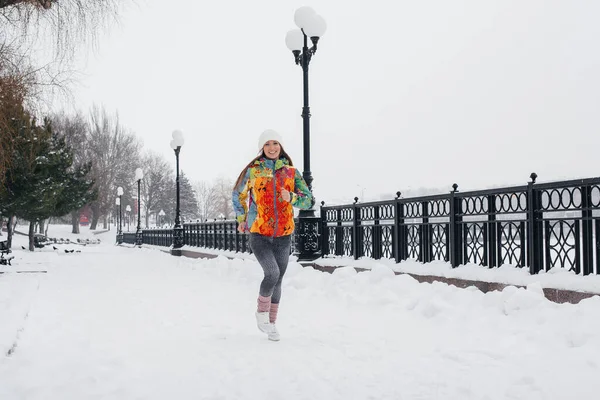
x=88 y=241
x=5 y=250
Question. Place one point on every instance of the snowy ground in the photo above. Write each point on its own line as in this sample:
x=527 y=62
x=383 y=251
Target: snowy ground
x=556 y=278
x=122 y=323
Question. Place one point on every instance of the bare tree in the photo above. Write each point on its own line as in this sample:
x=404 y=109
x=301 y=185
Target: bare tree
x=156 y=185
x=67 y=22
x=60 y=27
x=206 y=199
x=75 y=130
x=222 y=188
x=114 y=154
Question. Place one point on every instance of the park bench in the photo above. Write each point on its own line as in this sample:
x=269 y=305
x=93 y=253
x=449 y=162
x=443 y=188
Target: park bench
x=5 y=250
x=88 y=241
x=39 y=240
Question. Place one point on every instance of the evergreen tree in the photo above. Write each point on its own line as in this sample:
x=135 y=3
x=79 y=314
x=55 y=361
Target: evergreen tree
x=26 y=143
x=43 y=182
x=187 y=197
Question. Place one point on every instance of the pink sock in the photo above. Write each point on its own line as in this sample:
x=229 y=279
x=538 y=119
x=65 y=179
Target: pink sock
x=273 y=312
x=264 y=303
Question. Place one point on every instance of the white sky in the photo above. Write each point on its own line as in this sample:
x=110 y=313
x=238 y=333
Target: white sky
x=404 y=94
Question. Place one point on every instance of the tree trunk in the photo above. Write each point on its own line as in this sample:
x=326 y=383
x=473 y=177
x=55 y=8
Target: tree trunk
x=95 y=216
x=105 y=223
x=9 y=231
x=75 y=215
x=31 y=235
x=41 y=226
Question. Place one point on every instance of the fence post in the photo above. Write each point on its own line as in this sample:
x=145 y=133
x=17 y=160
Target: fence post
x=225 y=235
x=356 y=245
x=339 y=234
x=534 y=239
x=398 y=220
x=425 y=239
x=324 y=231
x=587 y=232
x=215 y=243
x=455 y=228
x=492 y=232
x=376 y=235
x=237 y=237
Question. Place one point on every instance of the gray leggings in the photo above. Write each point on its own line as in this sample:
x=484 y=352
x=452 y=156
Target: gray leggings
x=273 y=255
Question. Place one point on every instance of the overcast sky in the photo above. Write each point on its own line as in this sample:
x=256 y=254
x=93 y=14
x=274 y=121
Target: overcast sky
x=403 y=94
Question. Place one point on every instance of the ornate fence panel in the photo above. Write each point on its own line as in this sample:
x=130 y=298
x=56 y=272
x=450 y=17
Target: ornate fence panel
x=491 y=227
x=568 y=224
x=340 y=230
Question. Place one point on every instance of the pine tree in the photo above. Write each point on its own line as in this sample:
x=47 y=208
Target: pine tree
x=187 y=198
x=43 y=182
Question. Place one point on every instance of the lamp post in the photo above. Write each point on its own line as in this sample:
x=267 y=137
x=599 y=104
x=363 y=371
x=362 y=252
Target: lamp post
x=311 y=26
x=139 y=175
x=128 y=209
x=161 y=214
x=117 y=217
x=120 y=231
x=176 y=144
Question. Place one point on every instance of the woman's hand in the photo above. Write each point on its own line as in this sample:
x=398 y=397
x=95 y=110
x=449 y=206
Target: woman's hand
x=285 y=195
x=243 y=227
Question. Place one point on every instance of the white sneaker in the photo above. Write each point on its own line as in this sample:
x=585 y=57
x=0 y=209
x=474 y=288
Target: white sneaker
x=262 y=321
x=274 y=334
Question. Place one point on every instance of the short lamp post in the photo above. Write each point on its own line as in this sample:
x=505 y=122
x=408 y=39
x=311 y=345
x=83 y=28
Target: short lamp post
x=161 y=215
x=120 y=231
x=139 y=175
x=117 y=217
x=311 y=26
x=128 y=209
x=176 y=144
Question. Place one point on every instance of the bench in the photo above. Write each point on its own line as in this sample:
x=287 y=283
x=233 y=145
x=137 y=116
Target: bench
x=5 y=250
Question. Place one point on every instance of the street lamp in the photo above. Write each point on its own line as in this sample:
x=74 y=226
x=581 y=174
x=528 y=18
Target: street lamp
x=128 y=209
x=161 y=214
x=139 y=175
x=117 y=217
x=120 y=231
x=311 y=26
x=176 y=144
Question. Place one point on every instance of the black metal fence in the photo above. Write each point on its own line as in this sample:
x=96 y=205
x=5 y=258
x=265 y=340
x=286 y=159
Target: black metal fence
x=538 y=226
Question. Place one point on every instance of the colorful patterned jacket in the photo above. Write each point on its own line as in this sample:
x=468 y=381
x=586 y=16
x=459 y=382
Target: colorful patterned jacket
x=268 y=214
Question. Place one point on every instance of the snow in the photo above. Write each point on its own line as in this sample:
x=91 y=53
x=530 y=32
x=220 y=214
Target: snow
x=116 y=322
x=557 y=278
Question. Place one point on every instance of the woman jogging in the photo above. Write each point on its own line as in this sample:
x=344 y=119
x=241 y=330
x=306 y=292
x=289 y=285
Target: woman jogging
x=263 y=199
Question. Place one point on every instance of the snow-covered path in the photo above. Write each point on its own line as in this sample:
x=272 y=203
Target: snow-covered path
x=121 y=323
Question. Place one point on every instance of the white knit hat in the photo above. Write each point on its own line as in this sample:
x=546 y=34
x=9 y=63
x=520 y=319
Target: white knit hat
x=267 y=135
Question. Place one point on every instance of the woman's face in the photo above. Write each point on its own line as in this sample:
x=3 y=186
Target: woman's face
x=272 y=149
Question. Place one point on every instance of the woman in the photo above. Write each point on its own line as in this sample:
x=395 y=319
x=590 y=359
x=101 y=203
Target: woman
x=263 y=197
